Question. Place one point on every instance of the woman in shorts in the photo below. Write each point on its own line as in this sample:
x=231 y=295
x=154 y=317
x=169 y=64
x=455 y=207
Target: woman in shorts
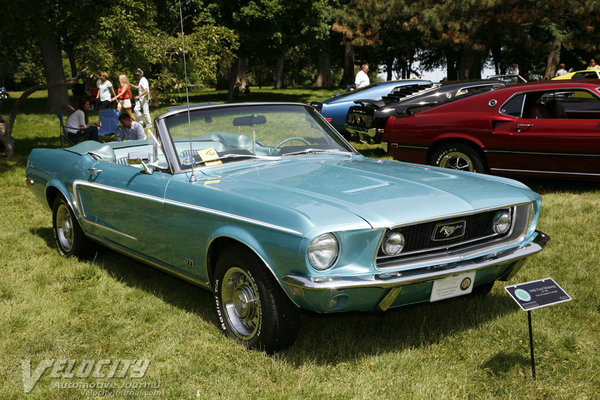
x=124 y=96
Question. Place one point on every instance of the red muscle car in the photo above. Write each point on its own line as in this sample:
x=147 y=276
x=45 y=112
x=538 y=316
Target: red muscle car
x=544 y=129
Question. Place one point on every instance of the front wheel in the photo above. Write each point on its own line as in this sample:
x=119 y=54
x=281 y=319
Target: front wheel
x=458 y=156
x=251 y=307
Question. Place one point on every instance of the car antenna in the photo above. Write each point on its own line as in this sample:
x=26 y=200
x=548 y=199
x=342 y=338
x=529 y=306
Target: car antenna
x=187 y=95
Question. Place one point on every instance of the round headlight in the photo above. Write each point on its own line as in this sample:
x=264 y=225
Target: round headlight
x=323 y=251
x=502 y=222
x=393 y=243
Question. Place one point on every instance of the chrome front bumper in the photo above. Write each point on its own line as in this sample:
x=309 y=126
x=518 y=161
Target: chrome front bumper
x=517 y=256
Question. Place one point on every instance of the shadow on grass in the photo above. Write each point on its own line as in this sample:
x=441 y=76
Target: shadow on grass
x=168 y=288
x=323 y=339
x=549 y=186
x=338 y=338
x=503 y=362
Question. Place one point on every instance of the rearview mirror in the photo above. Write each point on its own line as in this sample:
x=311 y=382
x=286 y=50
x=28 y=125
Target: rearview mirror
x=250 y=120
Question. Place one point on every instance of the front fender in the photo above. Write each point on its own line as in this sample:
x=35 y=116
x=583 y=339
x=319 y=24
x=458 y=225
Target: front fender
x=280 y=251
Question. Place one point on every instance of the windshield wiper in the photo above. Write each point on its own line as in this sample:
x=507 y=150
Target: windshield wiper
x=236 y=156
x=313 y=151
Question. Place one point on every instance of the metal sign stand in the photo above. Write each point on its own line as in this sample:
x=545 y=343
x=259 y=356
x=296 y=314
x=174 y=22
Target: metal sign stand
x=536 y=294
x=531 y=345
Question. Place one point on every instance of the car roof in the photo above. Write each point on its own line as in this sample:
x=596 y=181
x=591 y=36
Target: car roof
x=554 y=84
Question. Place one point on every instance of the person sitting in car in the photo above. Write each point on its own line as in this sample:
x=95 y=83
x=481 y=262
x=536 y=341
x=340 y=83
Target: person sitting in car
x=130 y=130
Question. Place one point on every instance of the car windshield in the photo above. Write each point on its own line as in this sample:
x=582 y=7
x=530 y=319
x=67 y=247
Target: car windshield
x=219 y=134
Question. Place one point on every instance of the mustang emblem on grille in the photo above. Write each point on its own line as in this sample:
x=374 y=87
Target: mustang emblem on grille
x=449 y=231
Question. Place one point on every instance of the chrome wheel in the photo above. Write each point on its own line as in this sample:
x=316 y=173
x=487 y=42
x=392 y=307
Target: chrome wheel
x=251 y=307
x=64 y=228
x=68 y=236
x=459 y=156
x=457 y=160
x=241 y=303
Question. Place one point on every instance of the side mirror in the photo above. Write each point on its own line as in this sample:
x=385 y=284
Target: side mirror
x=139 y=158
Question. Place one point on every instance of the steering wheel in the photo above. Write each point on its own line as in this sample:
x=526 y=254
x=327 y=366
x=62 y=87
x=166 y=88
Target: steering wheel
x=290 y=139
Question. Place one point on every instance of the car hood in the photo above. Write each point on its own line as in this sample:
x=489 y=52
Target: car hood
x=380 y=193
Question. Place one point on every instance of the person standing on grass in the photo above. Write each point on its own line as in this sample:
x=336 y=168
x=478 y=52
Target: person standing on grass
x=562 y=70
x=105 y=88
x=362 y=79
x=124 y=96
x=141 y=100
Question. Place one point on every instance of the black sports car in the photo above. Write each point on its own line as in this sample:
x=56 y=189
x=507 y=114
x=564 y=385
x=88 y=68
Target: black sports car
x=368 y=118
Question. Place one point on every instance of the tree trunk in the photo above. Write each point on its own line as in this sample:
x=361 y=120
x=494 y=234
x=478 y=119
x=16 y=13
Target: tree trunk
x=451 y=67
x=348 y=77
x=7 y=149
x=469 y=66
x=279 y=73
x=240 y=72
x=324 y=71
x=223 y=75
x=389 y=69
x=553 y=59
x=58 y=96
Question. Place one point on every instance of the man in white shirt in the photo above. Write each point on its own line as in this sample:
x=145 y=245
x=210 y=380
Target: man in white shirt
x=362 y=79
x=562 y=71
x=130 y=130
x=141 y=100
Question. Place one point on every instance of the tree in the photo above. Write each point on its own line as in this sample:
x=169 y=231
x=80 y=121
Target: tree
x=122 y=42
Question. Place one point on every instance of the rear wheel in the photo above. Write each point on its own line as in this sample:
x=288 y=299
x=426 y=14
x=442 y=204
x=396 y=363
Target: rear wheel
x=458 y=156
x=251 y=307
x=68 y=236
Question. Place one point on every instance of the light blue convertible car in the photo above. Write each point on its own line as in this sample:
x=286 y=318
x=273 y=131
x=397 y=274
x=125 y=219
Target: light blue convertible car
x=267 y=206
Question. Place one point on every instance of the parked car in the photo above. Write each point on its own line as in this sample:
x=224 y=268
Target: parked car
x=584 y=74
x=543 y=129
x=335 y=108
x=368 y=118
x=509 y=79
x=272 y=210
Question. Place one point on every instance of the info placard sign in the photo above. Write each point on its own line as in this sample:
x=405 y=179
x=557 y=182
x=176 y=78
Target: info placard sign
x=537 y=294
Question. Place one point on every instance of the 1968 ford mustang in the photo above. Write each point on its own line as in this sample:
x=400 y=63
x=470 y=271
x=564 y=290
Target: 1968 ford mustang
x=269 y=207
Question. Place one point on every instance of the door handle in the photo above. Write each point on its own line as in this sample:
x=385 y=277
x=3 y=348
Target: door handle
x=523 y=127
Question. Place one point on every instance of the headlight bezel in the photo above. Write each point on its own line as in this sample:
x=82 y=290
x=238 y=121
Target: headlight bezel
x=323 y=251
x=503 y=222
x=393 y=239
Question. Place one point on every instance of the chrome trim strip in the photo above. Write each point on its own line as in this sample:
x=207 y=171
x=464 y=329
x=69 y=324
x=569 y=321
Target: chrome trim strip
x=458 y=215
x=108 y=228
x=545 y=172
x=131 y=193
x=392 y=280
x=541 y=153
x=402 y=146
x=233 y=216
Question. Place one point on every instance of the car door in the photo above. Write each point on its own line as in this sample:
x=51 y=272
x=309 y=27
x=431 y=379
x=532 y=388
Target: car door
x=558 y=133
x=124 y=207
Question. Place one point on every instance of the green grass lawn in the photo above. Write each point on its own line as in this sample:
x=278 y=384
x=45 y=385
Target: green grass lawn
x=114 y=308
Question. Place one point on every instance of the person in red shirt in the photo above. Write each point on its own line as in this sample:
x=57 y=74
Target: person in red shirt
x=124 y=96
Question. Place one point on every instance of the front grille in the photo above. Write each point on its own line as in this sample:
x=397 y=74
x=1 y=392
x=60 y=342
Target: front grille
x=438 y=238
